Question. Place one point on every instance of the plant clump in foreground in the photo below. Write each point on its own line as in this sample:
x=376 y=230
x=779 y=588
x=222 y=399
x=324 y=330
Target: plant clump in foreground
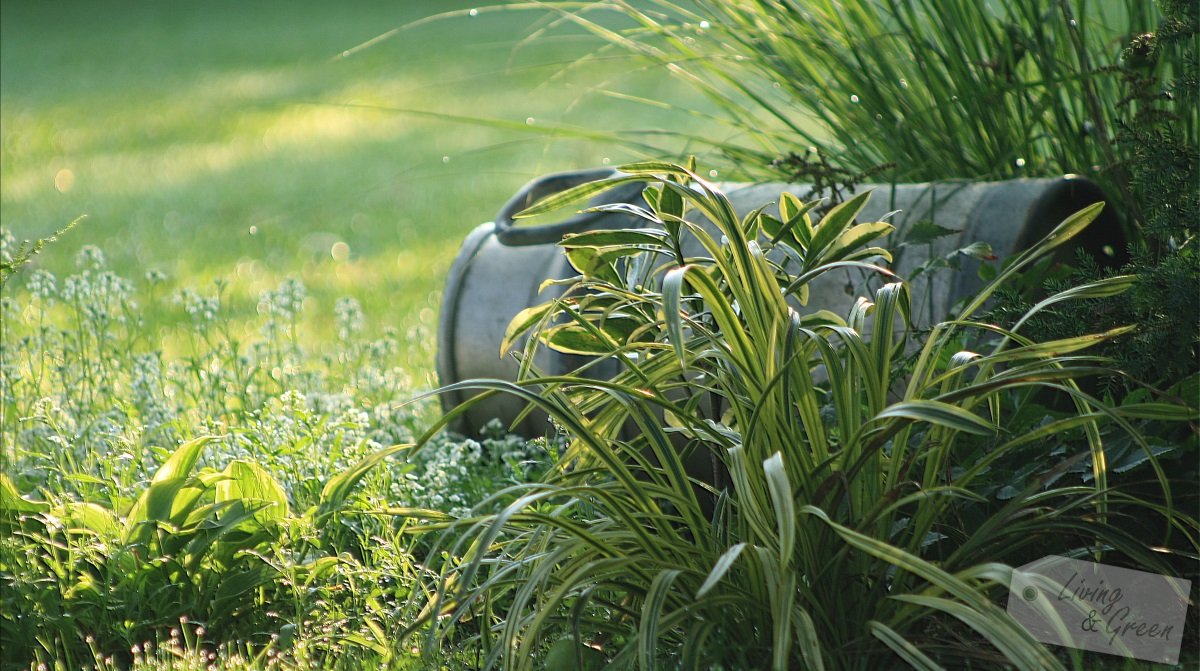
x=875 y=501
x=222 y=484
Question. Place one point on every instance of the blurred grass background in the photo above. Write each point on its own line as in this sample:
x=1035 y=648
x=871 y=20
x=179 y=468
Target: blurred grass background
x=231 y=140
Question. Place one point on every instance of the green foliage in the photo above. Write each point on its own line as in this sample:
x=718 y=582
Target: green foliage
x=834 y=93
x=1159 y=141
x=764 y=486
x=225 y=483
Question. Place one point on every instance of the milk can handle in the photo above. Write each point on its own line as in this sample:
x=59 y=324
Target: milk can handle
x=518 y=236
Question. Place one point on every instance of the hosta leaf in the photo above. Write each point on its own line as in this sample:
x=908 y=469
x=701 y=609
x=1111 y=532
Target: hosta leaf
x=88 y=517
x=11 y=500
x=234 y=584
x=253 y=485
x=182 y=460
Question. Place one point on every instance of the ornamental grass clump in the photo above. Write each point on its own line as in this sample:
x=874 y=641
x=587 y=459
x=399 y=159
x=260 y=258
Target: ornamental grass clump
x=844 y=527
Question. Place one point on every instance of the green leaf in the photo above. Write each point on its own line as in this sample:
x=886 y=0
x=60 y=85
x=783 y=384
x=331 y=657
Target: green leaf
x=172 y=492
x=182 y=460
x=656 y=597
x=1154 y=410
x=616 y=238
x=833 y=225
x=335 y=492
x=902 y=647
x=1111 y=286
x=724 y=562
x=593 y=264
x=89 y=517
x=574 y=195
x=854 y=238
x=577 y=339
x=253 y=485
x=925 y=231
x=941 y=414
x=785 y=509
x=522 y=322
x=11 y=500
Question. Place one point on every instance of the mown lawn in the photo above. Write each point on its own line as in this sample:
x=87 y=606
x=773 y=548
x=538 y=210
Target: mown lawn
x=230 y=140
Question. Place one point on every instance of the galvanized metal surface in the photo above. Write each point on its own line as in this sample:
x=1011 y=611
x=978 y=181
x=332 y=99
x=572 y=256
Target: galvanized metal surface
x=491 y=281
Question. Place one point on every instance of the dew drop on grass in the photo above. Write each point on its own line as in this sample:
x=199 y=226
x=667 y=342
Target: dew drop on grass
x=704 y=25
x=529 y=121
x=1073 y=23
x=854 y=99
x=474 y=12
x=903 y=83
x=340 y=251
x=254 y=230
x=712 y=173
x=63 y=180
x=1020 y=162
x=445 y=159
x=605 y=161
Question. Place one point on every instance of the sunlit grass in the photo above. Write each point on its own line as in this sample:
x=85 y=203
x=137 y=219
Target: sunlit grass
x=238 y=144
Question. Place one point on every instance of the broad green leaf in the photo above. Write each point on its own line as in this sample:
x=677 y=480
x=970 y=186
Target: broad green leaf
x=234 y=584
x=854 y=238
x=576 y=339
x=89 y=517
x=833 y=225
x=11 y=500
x=182 y=460
x=593 y=264
x=172 y=493
x=252 y=484
x=522 y=322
